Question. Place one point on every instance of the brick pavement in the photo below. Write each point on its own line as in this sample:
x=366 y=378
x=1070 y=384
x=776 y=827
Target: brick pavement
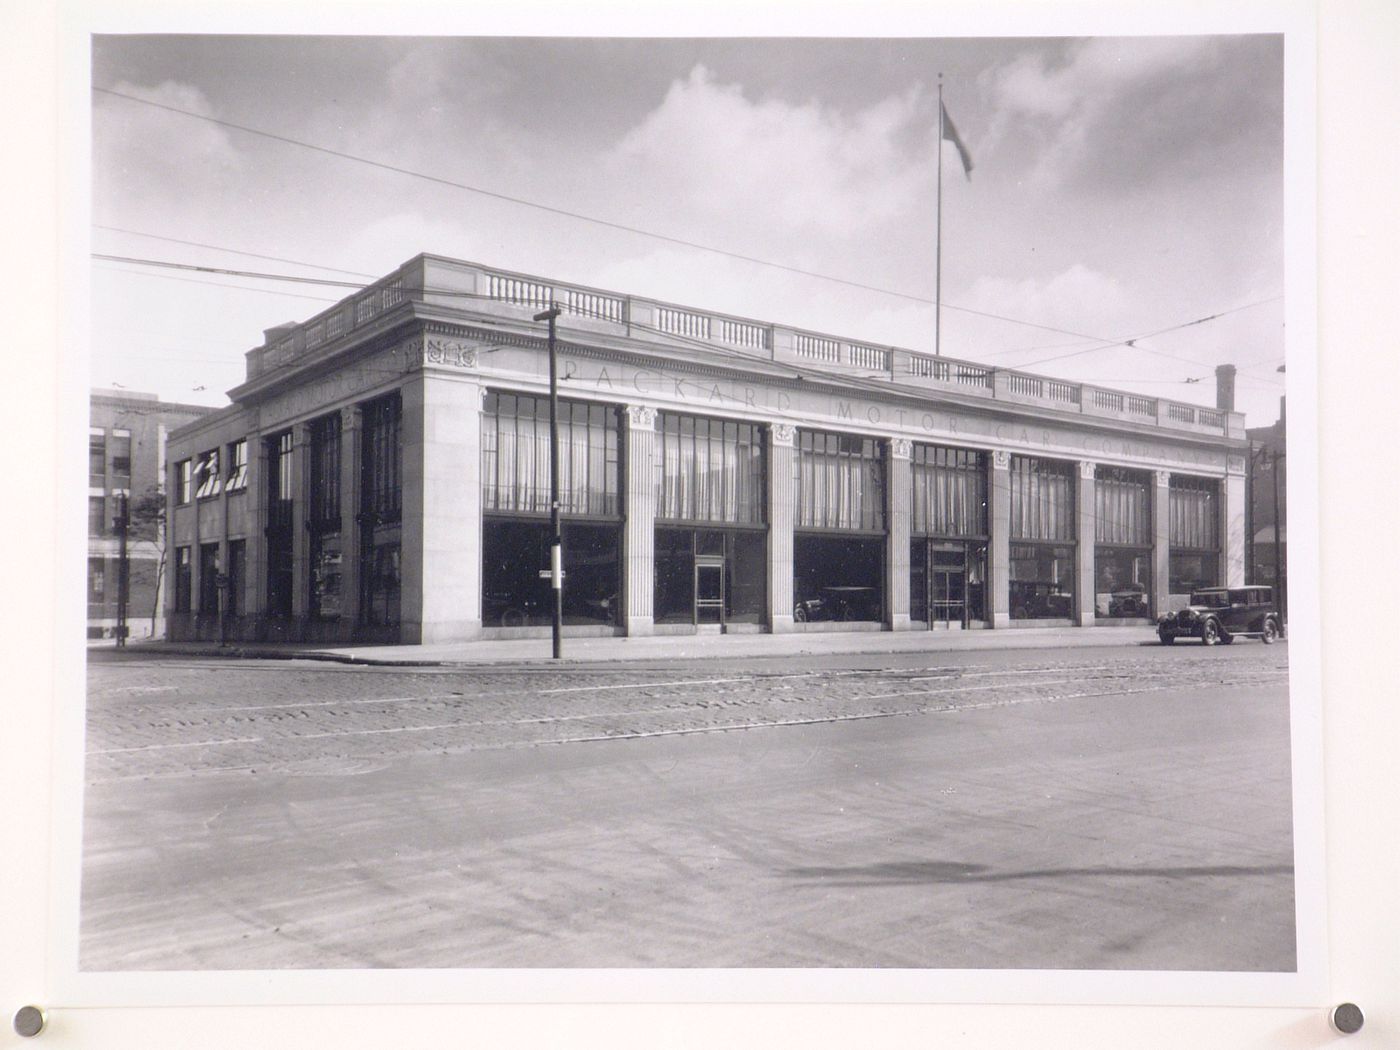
x=171 y=718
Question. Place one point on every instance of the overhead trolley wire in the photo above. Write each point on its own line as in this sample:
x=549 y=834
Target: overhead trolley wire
x=667 y=238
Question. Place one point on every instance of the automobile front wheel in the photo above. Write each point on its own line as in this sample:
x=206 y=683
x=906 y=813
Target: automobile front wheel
x=1167 y=639
x=1270 y=633
x=799 y=615
x=1210 y=632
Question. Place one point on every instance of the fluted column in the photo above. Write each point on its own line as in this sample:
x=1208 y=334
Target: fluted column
x=1161 y=542
x=1232 y=537
x=639 y=537
x=1084 y=512
x=999 y=541
x=898 y=504
x=781 y=455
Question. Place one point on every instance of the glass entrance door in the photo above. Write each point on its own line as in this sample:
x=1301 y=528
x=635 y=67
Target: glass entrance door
x=948 y=585
x=709 y=590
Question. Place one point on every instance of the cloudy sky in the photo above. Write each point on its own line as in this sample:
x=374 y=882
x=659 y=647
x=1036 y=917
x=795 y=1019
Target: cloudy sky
x=1123 y=188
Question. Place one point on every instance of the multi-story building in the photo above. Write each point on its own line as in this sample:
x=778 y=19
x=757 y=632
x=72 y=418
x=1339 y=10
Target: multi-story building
x=383 y=473
x=1268 y=504
x=126 y=452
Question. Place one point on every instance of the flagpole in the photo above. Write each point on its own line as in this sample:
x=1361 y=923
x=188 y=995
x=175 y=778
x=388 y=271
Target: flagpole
x=938 y=243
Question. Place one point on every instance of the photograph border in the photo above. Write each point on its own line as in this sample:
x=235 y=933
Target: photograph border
x=69 y=987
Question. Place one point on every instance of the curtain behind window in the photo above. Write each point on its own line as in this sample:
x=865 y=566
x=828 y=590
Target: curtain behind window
x=1042 y=499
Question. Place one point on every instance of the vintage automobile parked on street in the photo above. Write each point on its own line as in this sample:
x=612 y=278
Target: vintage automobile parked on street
x=1222 y=614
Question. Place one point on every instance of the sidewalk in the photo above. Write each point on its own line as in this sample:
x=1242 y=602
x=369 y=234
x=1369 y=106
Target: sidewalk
x=657 y=647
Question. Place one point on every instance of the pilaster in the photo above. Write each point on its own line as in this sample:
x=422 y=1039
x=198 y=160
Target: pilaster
x=639 y=536
x=441 y=554
x=1084 y=513
x=1161 y=542
x=1232 y=532
x=898 y=506
x=999 y=540
x=781 y=459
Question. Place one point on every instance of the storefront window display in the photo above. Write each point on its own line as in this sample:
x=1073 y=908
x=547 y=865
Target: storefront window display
x=323 y=518
x=839 y=536
x=516 y=553
x=1042 y=581
x=1123 y=544
x=516 y=531
x=948 y=553
x=1194 y=531
x=381 y=503
x=725 y=565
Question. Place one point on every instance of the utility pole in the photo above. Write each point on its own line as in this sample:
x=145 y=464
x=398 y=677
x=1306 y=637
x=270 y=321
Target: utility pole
x=122 y=523
x=556 y=554
x=1278 y=460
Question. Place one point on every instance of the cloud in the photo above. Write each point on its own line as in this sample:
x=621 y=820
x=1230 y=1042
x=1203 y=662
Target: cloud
x=715 y=155
x=130 y=137
x=1112 y=113
x=1077 y=299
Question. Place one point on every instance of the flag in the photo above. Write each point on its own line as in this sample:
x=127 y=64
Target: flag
x=951 y=134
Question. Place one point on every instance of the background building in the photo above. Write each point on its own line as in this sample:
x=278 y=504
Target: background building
x=126 y=452
x=383 y=473
x=1268 y=504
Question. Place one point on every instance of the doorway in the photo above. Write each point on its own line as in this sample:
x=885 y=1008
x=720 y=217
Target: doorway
x=709 y=592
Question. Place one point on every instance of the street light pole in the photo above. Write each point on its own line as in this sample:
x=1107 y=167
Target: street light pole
x=556 y=558
x=1278 y=545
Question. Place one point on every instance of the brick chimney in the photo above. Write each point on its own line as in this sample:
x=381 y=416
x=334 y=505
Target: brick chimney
x=1225 y=387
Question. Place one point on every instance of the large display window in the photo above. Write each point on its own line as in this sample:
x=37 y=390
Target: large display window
x=948 y=552
x=516 y=589
x=1123 y=544
x=1042 y=581
x=838 y=564
x=838 y=482
x=323 y=519
x=516 y=532
x=381 y=513
x=515 y=456
x=838 y=578
x=1042 y=578
x=709 y=470
x=1194 y=532
x=702 y=572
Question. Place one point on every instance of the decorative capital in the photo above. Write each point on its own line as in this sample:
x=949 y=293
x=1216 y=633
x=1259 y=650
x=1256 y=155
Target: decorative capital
x=782 y=434
x=1164 y=478
x=901 y=448
x=1086 y=469
x=641 y=417
x=1001 y=459
x=1235 y=464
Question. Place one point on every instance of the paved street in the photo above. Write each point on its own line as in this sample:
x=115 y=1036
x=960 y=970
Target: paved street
x=1114 y=807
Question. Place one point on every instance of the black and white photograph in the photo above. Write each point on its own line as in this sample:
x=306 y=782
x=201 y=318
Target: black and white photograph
x=693 y=503
x=692 y=524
